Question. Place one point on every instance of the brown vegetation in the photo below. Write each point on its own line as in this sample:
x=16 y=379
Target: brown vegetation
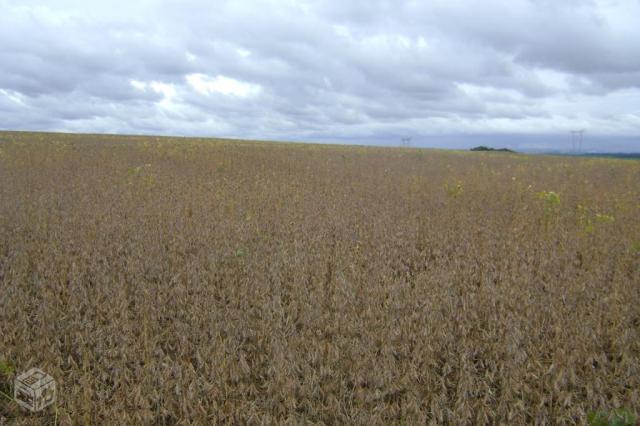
x=179 y=280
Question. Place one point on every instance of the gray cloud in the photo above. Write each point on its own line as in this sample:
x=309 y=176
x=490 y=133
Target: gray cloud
x=324 y=70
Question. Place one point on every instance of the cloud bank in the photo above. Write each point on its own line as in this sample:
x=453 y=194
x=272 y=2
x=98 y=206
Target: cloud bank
x=445 y=73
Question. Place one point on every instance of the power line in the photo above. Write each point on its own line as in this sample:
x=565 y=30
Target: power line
x=576 y=140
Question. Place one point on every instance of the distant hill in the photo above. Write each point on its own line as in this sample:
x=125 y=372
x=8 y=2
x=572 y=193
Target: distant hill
x=486 y=148
x=618 y=155
x=623 y=155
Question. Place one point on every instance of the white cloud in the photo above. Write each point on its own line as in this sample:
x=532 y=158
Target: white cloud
x=13 y=96
x=321 y=70
x=206 y=85
x=243 y=53
x=166 y=90
x=556 y=80
x=139 y=85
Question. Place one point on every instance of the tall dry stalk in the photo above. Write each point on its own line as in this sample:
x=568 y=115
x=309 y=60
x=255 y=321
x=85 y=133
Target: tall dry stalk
x=172 y=281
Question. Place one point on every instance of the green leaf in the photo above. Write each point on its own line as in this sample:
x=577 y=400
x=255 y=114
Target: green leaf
x=617 y=417
x=6 y=369
x=597 y=418
x=622 y=417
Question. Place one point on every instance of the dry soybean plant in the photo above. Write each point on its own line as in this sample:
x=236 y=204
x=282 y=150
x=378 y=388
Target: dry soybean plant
x=174 y=281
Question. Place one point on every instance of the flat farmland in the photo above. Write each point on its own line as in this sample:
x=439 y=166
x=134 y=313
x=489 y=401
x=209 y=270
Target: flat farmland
x=175 y=281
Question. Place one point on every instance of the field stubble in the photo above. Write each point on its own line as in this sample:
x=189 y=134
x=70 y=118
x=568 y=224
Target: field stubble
x=169 y=280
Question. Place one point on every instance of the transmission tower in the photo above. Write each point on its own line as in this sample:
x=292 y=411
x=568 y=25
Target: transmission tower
x=576 y=140
x=405 y=141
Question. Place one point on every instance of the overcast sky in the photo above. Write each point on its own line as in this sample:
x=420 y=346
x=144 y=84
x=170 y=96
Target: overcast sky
x=444 y=72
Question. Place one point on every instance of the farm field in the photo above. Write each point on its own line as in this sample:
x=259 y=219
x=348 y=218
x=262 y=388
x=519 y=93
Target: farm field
x=176 y=281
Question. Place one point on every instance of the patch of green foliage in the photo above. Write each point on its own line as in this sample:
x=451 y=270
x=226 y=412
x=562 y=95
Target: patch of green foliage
x=6 y=369
x=6 y=372
x=454 y=190
x=617 y=417
x=551 y=201
x=589 y=219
